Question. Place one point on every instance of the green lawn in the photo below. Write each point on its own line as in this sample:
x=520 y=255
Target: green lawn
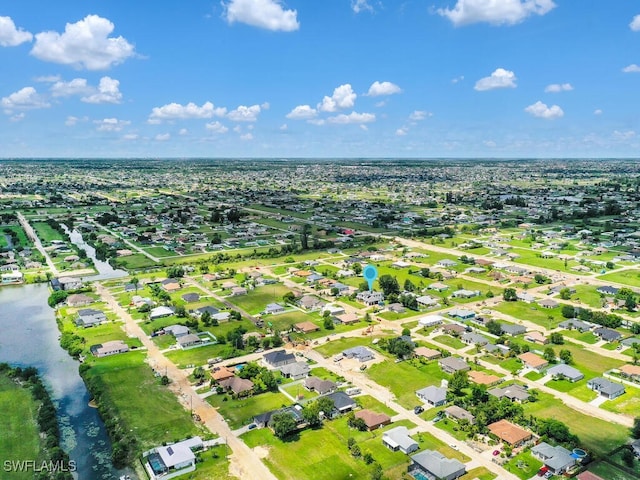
x=450 y=341
x=596 y=435
x=141 y=403
x=586 y=337
x=628 y=404
x=333 y=347
x=629 y=277
x=20 y=438
x=524 y=465
x=136 y=261
x=404 y=378
x=46 y=234
x=478 y=473
x=533 y=313
x=370 y=403
x=241 y=412
x=611 y=472
x=256 y=300
x=212 y=463
x=588 y=295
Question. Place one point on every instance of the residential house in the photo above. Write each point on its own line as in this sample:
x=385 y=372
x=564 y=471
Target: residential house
x=548 y=303
x=635 y=446
x=607 y=334
x=452 y=365
x=222 y=373
x=430 y=320
x=306 y=327
x=557 y=459
x=509 y=433
x=608 y=290
x=433 y=465
x=188 y=340
x=69 y=283
x=536 y=337
x=171 y=285
x=453 y=329
x=463 y=293
x=370 y=298
x=278 y=358
x=160 y=312
x=434 y=396
x=265 y=419
x=446 y=263
x=333 y=309
x=533 y=361
x=238 y=291
x=428 y=353
x=238 y=386
x=11 y=277
x=525 y=297
x=176 y=330
x=565 y=371
x=172 y=460
x=321 y=387
x=462 y=313
x=606 y=388
x=346 y=318
x=575 y=323
x=89 y=317
x=212 y=311
x=363 y=354
x=373 y=420
x=396 y=308
x=632 y=372
x=515 y=393
x=426 y=301
x=459 y=413
x=438 y=286
x=79 y=300
x=341 y=402
x=296 y=371
x=310 y=303
x=274 y=309
x=472 y=338
x=398 y=439
x=191 y=297
x=482 y=378
x=512 y=330
x=109 y=348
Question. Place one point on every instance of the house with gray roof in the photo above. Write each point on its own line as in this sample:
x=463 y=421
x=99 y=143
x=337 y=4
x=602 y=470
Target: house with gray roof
x=575 y=323
x=607 y=334
x=606 y=388
x=434 y=396
x=459 y=413
x=321 y=387
x=88 y=317
x=452 y=365
x=565 y=371
x=515 y=393
x=462 y=313
x=363 y=354
x=176 y=330
x=278 y=358
x=398 y=439
x=341 y=402
x=433 y=465
x=296 y=370
x=274 y=309
x=472 y=338
x=557 y=459
x=512 y=330
x=629 y=342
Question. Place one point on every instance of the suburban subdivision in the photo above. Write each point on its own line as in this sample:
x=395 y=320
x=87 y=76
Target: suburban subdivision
x=339 y=319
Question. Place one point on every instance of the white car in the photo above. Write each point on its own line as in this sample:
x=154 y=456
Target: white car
x=454 y=446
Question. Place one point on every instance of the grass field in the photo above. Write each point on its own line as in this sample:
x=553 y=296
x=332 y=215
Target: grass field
x=135 y=262
x=533 y=313
x=629 y=277
x=256 y=300
x=241 y=412
x=333 y=347
x=45 y=233
x=20 y=438
x=142 y=404
x=524 y=465
x=628 y=404
x=22 y=237
x=450 y=341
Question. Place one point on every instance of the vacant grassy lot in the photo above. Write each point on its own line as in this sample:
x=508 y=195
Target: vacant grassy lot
x=629 y=277
x=20 y=438
x=135 y=262
x=143 y=405
x=404 y=378
x=524 y=465
x=450 y=341
x=628 y=404
x=256 y=300
x=45 y=233
x=241 y=412
x=333 y=347
x=596 y=435
x=533 y=313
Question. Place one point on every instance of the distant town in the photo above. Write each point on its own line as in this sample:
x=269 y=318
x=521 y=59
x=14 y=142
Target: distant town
x=223 y=326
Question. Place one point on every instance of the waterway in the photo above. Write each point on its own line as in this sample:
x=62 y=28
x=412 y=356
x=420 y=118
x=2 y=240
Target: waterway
x=30 y=338
x=105 y=270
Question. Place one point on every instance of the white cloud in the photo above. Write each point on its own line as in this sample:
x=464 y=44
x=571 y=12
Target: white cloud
x=635 y=23
x=24 y=99
x=401 y=132
x=18 y=117
x=500 y=78
x=130 y=136
x=246 y=137
x=364 y=127
x=284 y=127
x=558 y=87
x=541 y=110
x=495 y=12
x=237 y=129
x=71 y=121
x=457 y=79
x=244 y=113
x=77 y=86
x=417 y=115
x=626 y=135
x=302 y=112
x=84 y=44
x=353 y=117
x=111 y=124
x=633 y=68
x=597 y=111
x=175 y=111
x=216 y=127
x=10 y=36
x=183 y=131
x=267 y=14
x=343 y=97
x=163 y=137
x=48 y=79
x=108 y=92
x=316 y=121
x=383 y=88
x=489 y=143
x=361 y=6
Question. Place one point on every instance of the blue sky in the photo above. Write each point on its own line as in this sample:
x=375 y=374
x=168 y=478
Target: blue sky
x=320 y=78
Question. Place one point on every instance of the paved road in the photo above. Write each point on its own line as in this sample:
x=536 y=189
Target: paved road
x=245 y=464
x=31 y=233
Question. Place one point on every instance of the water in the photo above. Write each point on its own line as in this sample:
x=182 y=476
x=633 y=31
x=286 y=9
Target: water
x=105 y=270
x=30 y=338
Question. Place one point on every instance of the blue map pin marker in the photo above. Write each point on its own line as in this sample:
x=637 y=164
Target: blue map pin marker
x=370 y=273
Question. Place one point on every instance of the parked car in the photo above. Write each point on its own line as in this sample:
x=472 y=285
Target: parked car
x=251 y=426
x=417 y=410
x=496 y=453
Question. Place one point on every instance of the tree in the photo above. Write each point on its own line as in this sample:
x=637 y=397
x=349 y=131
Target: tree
x=135 y=281
x=510 y=295
x=304 y=236
x=541 y=279
x=628 y=457
x=635 y=430
x=389 y=285
x=199 y=373
x=377 y=472
x=311 y=414
x=325 y=405
x=565 y=294
x=409 y=285
x=357 y=268
x=568 y=311
x=630 y=303
x=206 y=318
x=283 y=424
x=549 y=355
x=289 y=297
x=556 y=338
x=459 y=381
x=566 y=357
x=328 y=323
x=494 y=328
